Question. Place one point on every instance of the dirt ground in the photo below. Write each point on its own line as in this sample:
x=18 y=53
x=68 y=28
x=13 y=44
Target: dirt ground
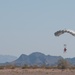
x=36 y=72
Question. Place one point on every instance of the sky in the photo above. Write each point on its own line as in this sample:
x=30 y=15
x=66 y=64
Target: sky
x=28 y=26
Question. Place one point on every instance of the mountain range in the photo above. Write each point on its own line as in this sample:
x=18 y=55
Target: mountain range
x=38 y=59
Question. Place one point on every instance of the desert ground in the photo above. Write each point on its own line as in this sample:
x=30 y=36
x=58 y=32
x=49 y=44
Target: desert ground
x=36 y=72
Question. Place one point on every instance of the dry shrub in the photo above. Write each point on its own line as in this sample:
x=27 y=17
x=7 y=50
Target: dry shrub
x=25 y=67
x=10 y=67
x=1 y=67
x=63 y=64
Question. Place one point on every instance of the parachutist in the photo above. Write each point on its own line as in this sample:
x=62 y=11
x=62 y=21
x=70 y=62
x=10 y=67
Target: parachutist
x=65 y=48
x=60 y=32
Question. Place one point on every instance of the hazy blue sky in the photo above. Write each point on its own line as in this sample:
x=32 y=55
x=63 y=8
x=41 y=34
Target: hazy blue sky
x=28 y=26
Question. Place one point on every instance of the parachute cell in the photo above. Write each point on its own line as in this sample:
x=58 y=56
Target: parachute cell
x=60 y=32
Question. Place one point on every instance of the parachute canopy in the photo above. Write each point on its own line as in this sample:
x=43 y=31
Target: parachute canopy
x=60 y=32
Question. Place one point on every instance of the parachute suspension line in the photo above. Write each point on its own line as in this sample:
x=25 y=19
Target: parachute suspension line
x=65 y=48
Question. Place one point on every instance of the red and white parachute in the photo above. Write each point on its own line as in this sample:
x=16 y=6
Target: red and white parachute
x=60 y=32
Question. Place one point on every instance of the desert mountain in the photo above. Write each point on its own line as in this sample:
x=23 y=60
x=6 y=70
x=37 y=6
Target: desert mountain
x=36 y=58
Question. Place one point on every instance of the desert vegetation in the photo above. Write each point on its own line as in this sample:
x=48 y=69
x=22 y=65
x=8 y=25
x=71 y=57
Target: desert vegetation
x=63 y=67
x=61 y=64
